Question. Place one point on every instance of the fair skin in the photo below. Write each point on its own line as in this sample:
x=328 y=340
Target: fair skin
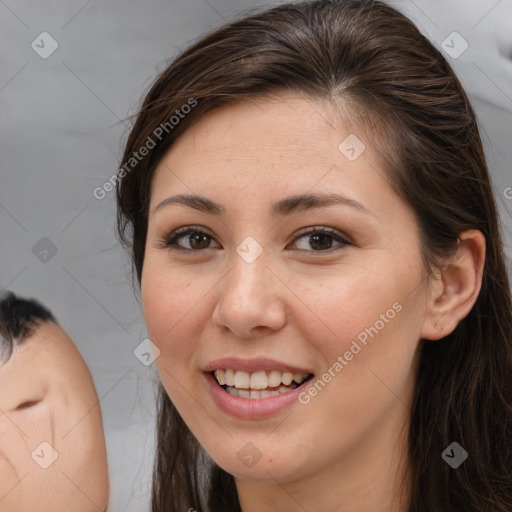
x=47 y=395
x=302 y=301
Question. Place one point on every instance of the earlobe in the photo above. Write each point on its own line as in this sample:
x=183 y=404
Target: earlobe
x=457 y=287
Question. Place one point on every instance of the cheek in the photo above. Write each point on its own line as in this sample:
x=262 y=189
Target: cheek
x=372 y=354
x=172 y=303
x=370 y=325
x=355 y=304
x=166 y=298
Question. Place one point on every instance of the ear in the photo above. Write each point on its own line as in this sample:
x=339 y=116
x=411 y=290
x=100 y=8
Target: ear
x=455 y=290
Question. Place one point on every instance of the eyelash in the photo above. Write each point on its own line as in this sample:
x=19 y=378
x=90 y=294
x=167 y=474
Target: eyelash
x=170 y=241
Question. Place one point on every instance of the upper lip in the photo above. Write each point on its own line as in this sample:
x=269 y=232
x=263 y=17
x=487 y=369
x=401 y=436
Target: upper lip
x=253 y=365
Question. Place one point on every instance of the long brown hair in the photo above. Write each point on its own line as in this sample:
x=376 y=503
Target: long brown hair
x=398 y=86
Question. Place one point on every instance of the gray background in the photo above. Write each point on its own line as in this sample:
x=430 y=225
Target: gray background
x=62 y=132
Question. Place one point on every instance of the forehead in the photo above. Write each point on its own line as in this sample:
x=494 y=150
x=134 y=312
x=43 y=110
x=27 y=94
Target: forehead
x=263 y=129
x=263 y=147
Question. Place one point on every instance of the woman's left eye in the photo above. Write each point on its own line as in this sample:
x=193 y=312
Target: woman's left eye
x=321 y=239
x=193 y=239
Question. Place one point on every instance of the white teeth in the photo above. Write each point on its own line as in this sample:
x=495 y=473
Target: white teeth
x=260 y=380
x=242 y=380
x=254 y=393
x=274 y=378
x=232 y=391
x=299 y=377
x=229 y=377
x=219 y=375
x=287 y=378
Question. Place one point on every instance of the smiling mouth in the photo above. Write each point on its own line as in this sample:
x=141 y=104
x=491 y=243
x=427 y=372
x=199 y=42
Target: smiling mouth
x=259 y=384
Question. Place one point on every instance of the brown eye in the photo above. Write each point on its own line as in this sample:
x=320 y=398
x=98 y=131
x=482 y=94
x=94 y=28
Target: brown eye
x=198 y=241
x=194 y=238
x=322 y=240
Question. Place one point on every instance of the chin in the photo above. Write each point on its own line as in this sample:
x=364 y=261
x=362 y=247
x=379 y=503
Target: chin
x=267 y=468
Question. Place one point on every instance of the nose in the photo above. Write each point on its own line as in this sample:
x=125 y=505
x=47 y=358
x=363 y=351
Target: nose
x=251 y=301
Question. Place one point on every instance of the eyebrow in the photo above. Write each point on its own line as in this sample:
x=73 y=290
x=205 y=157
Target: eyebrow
x=287 y=206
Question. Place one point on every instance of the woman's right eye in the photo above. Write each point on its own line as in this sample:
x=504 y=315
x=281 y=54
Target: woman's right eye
x=197 y=240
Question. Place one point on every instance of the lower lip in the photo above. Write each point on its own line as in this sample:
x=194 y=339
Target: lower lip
x=251 y=408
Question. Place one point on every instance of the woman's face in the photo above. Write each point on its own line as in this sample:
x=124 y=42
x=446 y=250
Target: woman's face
x=282 y=279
